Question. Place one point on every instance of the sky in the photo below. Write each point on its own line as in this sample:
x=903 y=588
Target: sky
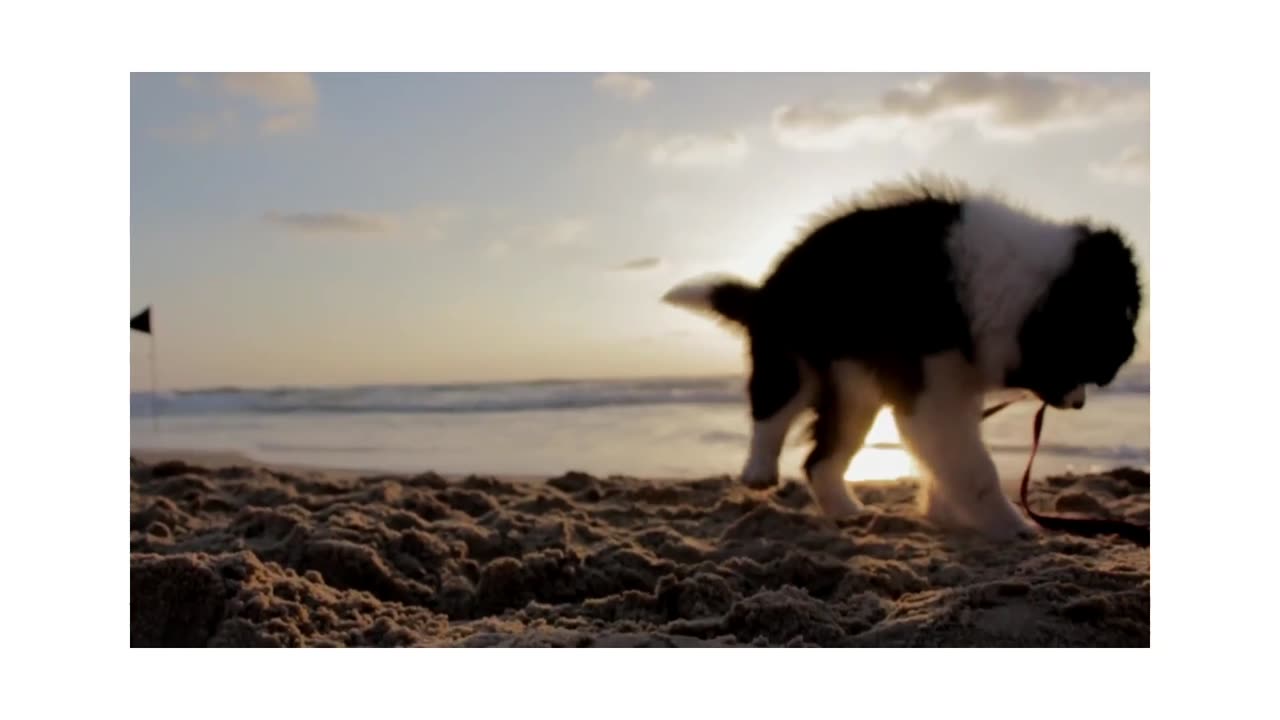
x=332 y=229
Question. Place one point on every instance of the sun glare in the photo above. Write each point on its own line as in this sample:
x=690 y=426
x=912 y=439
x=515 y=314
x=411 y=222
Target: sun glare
x=881 y=463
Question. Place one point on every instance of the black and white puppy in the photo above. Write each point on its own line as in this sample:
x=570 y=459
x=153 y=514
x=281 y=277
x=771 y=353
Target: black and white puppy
x=924 y=297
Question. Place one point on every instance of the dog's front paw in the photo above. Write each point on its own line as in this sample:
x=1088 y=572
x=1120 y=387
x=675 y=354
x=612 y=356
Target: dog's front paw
x=758 y=476
x=1006 y=526
x=938 y=512
x=838 y=505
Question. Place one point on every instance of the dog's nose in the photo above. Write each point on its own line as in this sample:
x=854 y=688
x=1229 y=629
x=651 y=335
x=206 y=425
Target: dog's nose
x=1075 y=399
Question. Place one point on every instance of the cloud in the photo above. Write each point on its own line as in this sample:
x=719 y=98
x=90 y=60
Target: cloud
x=200 y=127
x=832 y=126
x=1001 y=106
x=624 y=85
x=288 y=99
x=503 y=235
x=643 y=263
x=1132 y=166
x=277 y=103
x=281 y=90
x=498 y=250
x=286 y=122
x=696 y=151
x=564 y=232
x=687 y=151
x=330 y=222
x=428 y=222
x=1011 y=99
x=420 y=224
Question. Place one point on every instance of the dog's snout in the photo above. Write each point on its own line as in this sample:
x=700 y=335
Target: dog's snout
x=1075 y=399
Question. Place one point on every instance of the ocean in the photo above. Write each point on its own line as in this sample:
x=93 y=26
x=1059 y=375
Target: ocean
x=663 y=428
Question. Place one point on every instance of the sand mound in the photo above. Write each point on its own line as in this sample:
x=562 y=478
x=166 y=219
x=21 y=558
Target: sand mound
x=250 y=556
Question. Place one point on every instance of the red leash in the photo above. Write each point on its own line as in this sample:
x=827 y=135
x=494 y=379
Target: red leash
x=1138 y=534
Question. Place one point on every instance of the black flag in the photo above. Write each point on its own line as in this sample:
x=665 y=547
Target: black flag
x=142 y=321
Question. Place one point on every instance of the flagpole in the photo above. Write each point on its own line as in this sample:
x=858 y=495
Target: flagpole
x=155 y=425
x=142 y=323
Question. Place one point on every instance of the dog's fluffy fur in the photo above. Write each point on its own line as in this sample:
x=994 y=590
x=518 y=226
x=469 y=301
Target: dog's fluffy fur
x=923 y=297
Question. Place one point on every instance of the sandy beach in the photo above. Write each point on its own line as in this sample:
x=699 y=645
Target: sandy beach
x=225 y=552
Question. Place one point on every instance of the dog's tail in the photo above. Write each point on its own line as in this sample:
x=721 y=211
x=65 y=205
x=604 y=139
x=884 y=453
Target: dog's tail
x=721 y=295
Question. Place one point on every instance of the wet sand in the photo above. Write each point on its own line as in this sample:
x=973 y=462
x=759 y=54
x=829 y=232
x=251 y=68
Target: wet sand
x=225 y=552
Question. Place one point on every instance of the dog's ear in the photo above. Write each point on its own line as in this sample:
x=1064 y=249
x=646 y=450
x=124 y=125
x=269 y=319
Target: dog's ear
x=1107 y=264
x=1109 y=294
x=1082 y=329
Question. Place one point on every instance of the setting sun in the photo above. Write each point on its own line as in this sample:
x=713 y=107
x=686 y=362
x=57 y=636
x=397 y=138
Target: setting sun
x=876 y=461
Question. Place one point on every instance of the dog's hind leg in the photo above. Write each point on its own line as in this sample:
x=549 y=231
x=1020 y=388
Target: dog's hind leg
x=942 y=428
x=780 y=388
x=847 y=405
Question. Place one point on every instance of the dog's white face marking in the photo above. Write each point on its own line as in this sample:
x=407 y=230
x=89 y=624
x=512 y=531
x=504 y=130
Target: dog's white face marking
x=1004 y=261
